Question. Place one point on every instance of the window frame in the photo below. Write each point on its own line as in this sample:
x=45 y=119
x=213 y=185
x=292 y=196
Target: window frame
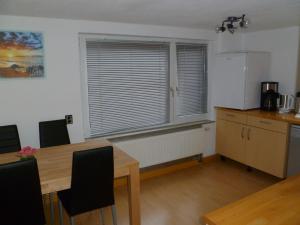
x=173 y=79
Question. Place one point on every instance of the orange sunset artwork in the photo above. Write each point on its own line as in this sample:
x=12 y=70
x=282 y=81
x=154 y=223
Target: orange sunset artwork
x=21 y=54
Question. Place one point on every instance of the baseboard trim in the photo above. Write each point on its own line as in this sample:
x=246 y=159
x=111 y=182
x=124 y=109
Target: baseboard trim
x=167 y=168
x=210 y=158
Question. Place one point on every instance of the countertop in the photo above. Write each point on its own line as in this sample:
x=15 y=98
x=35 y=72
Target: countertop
x=278 y=204
x=288 y=117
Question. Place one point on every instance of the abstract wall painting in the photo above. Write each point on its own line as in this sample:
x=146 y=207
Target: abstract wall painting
x=21 y=54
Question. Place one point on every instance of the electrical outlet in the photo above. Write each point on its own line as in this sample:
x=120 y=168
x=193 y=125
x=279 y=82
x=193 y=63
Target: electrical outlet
x=69 y=119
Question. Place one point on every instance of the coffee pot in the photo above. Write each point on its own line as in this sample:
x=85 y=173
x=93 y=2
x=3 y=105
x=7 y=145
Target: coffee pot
x=286 y=103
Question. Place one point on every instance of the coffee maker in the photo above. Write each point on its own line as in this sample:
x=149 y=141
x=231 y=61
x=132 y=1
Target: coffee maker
x=269 y=96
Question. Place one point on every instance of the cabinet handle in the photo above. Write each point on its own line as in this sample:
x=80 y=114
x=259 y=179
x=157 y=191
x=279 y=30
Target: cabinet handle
x=248 y=134
x=230 y=115
x=242 y=133
x=265 y=122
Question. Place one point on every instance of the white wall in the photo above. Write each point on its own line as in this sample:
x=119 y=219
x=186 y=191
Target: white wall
x=284 y=47
x=25 y=102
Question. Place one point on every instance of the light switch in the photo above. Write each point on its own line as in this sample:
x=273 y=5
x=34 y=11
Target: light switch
x=69 y=119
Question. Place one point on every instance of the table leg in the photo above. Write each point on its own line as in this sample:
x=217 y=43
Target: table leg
x=134 y=195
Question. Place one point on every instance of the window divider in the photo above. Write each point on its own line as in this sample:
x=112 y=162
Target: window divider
x=173 y=74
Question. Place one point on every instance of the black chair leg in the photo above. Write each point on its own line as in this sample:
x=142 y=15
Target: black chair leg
x=60 y=208
x=51 y=196
x=72 y=221
x=114 y=214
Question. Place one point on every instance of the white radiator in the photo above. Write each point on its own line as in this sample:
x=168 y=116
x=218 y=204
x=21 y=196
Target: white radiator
x=157 y=149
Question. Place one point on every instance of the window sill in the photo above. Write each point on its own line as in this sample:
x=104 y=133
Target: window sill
x=155 y=131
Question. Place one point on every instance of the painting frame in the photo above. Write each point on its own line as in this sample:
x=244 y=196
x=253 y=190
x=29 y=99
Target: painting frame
x=23 y=54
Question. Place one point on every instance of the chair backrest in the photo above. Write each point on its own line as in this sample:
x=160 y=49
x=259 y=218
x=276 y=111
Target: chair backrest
x=9 y=139
x=20 y=194
x=53 y=133
x=92 y=184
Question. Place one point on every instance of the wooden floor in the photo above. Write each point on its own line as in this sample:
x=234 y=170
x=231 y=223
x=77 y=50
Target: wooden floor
x=182 y=197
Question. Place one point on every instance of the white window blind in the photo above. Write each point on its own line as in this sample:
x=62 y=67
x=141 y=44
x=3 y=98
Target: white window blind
x=128 y=85
x=191 y=96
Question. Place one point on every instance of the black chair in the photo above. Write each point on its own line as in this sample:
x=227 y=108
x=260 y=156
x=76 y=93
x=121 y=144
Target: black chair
x=9 y=139
x=92 y=185
x=53 y=133
x=20 y=193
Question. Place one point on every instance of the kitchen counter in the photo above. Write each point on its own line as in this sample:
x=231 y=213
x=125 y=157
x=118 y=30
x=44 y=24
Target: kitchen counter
x=278 y=204
x=288 y=117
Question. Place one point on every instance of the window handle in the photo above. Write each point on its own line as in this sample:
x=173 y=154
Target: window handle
x=177 y=90
x=172 y=91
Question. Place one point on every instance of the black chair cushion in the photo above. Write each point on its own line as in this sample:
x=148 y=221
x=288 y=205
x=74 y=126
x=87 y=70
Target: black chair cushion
x=92 y=185
x=53 y=133
x=20 y=194
x=9 y=139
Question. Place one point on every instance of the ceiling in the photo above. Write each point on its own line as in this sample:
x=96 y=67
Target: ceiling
x=263 y=14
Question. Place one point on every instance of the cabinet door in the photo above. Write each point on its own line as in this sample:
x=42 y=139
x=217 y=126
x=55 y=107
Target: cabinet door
x=266 y=150
x=230 y=141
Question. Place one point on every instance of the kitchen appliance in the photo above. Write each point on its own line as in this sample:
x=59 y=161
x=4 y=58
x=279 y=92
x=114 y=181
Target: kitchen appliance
x=297 y=105
x=293 y=165
x=269 y=96
x=237 y=77
x=286 y=103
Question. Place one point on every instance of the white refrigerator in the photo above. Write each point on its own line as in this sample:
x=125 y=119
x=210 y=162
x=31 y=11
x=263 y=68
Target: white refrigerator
x=237 y=77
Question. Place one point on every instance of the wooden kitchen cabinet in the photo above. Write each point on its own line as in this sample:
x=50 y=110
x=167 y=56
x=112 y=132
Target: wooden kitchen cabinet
x=230 y=141
x=266 y=150
x=257 y=142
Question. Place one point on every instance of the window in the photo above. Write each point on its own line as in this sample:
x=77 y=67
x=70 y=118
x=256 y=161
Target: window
x=128 y=85
x=192 y=80
x=132 y=85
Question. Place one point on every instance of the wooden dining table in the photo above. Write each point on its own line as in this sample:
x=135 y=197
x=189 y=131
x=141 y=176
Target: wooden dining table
x=278 y=204
x=55 y=169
